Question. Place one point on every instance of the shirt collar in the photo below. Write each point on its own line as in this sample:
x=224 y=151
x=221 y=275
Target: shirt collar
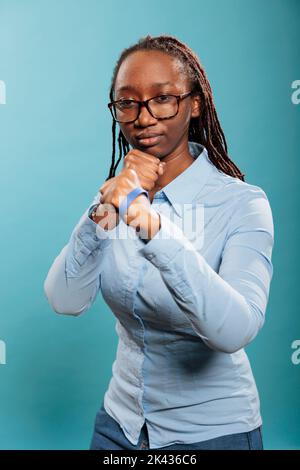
x=184 y=188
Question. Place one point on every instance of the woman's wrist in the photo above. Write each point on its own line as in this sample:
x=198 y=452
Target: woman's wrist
x=141 y=216
x=104 y=215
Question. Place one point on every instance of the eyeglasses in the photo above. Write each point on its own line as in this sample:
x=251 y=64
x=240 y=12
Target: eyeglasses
x=160 y=107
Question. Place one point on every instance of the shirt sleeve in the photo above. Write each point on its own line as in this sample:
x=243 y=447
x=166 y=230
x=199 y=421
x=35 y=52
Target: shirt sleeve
x=73 y=280
x=226 y=309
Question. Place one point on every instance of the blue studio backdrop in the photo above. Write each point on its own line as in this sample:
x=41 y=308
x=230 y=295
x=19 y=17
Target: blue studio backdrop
x=56 y=63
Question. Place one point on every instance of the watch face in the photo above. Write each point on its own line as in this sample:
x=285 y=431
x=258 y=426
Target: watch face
x=92 y=210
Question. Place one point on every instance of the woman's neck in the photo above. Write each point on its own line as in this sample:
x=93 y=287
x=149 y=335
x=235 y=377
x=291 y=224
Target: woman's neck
x=175 y=165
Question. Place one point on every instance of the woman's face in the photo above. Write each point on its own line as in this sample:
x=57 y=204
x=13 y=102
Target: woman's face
x=146 y=74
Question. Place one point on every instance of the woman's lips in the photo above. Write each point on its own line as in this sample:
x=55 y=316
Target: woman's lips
x=149 y=141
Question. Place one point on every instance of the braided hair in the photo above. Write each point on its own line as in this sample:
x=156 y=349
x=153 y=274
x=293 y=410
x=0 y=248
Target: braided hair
x=206 y=128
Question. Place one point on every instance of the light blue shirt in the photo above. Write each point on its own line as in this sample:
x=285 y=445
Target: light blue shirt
x=186 y=304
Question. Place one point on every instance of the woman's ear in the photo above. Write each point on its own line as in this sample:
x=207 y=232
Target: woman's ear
x=195 y=106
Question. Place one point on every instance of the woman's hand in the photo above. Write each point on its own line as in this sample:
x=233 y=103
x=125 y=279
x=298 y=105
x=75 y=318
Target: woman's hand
x=114 y=190
x=140 y=214
x=147 y=167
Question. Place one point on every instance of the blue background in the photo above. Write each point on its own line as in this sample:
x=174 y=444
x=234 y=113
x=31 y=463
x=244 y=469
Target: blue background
x=56 y=59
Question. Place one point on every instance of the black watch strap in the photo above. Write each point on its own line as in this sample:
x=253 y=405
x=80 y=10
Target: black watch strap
x=92 y=209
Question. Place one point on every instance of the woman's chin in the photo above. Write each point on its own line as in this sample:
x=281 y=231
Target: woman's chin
x=154 y=150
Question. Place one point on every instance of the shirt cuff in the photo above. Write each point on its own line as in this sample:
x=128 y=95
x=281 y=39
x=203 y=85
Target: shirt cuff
x=87 y=237
x=165 y=244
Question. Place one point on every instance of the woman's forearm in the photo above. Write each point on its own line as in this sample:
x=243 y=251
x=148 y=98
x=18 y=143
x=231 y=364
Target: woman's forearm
x=73 y=280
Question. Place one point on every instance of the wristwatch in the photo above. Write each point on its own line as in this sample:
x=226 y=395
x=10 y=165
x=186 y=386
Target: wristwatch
x=92 y=213
x=93 y=210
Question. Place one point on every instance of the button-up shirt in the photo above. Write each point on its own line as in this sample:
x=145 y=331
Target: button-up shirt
x=186 y=303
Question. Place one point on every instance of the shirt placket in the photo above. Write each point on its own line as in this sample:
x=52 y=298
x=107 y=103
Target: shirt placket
x=135 y=270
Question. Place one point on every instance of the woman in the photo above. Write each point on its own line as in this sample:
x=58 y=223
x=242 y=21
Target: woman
x=180 y=246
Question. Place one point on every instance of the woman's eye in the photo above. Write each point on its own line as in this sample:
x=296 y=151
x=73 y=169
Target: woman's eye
x=162 y=98
x=125 y=104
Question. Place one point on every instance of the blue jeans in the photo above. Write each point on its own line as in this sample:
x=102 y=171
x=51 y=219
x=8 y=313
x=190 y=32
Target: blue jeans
x=108 y=435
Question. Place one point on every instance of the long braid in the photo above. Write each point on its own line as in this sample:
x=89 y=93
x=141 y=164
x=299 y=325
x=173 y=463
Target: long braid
x=206 y=128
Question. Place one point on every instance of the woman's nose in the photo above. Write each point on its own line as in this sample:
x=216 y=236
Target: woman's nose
x=145 y=118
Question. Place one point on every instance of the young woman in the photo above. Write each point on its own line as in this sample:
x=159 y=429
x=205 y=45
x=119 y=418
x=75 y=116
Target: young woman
x=180 y=247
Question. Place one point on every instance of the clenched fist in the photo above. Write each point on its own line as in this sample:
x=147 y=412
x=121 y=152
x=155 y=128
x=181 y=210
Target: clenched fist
x=147 y=167
x=139 y=169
